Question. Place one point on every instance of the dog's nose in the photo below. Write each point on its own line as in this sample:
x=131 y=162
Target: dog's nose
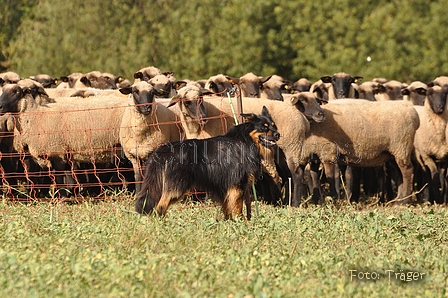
x=277 y=135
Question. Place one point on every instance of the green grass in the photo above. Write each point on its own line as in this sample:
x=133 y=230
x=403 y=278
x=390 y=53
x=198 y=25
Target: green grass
x=103 y=249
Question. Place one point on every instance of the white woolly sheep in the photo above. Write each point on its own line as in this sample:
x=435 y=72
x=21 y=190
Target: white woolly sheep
x=145 y=125
x=362 y=133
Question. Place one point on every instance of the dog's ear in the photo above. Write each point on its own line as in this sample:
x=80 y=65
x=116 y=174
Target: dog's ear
x=249 y=117
x=265 y=112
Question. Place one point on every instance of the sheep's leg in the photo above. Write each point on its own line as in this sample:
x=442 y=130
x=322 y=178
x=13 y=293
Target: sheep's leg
x=332 y=174
x=138 y=177
x=405 y=188
x=315 y=182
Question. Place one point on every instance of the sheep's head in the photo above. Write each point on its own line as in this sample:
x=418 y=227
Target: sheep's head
x=71 y=78
x=342 y=83
x=143 y=96
x=301 y=85
x=368 y=90
x=191 y=103
x=145 y=74
x=250 y=84
x=95 y=79
x=162 y=85
x=46 y=80
x=416 y=92
x=9 y=99
x=437 y=97
x=220 y=84
x=308 y=104
x=10 y=77
x=273 y=87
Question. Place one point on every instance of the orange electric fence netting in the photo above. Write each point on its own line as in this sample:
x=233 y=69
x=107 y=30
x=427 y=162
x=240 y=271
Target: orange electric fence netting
x=48 y=162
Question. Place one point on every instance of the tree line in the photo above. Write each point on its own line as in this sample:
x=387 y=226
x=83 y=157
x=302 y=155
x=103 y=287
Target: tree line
x=399 y=39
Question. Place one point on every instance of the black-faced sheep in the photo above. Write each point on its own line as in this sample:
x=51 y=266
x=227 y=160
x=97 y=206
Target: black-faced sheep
x=95 y=79
x=302 y=85
x=415 y=93
x=145 y=125
x=69 y=80
x=37 y=91
x=393 y=91
x=439 y=81
x=274 y=87
x=220 y=84
x=341 y=85
x=9 y=77
x=368 y=90
x=431 y=145
x=250 y=84
x=146 y=73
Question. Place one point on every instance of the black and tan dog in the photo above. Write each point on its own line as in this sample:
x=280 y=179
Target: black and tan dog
x=226 y=166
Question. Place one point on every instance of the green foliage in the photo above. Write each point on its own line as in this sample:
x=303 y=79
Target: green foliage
x=197 y=39
x=103 y=249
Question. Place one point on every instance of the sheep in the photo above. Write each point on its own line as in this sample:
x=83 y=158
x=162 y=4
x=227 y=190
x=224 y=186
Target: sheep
x=146 y=73
x=274 y=87
x=292 y=125
x=368 y=90
x=46 y=80
x=164 y=86
x=431 y=145
x=9 y=77
x=37 y=91
x=119 y=81
x=302 y=85
x=362 y=133
x=69 y=81
x=145 y=125
x=393 y=91
x=415 y=93
x=341 y=85
x=250 y=84
x=220 y=84
x=95 y=79
x=62 y=133
x=439 y=81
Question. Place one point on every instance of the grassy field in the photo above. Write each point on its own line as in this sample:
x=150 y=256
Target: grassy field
x=103 y=249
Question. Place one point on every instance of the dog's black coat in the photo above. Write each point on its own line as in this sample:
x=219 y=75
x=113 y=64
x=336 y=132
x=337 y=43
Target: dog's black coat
x=224 y=165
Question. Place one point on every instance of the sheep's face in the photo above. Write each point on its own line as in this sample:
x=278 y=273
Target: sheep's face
x=162 y=85
x=97 y=80
x=393 y=90
x=191 y=104
x=220 y=84
x=308 y=104
x=250 y=85
x=342 y=83
x=437 y=97
x=272 y=89
x=10 y=97
x=143 y=96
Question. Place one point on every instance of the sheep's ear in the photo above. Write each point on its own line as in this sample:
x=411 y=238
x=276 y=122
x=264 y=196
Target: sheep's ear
x=297 y=101
x=126 y=90
x=357 y=79
x=286 y=86
x=249 y=117
x=168 y=73
x=120 y=79
x=2 y=82
x=138 y=75
x=431 y=84
x=174 y=100
x=326 y=79
x=85 y=81
x=64 y=79
x=265 y=79
x=405 y=91
x=318 y=92
x=206 y=91
x=233 y=80
x=179 y=84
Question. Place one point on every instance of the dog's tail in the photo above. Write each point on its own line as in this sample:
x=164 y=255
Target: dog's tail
x=150 y=191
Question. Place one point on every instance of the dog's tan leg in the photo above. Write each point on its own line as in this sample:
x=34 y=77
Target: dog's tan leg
x=166 y=200
x=233 y=203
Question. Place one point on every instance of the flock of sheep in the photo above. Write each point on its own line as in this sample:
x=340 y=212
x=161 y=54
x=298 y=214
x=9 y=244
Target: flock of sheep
x=76 y=134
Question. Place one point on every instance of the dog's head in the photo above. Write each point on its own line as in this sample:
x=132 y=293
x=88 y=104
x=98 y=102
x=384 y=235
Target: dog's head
x=264 y=129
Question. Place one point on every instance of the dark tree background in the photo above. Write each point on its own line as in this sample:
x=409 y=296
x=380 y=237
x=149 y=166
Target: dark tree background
x=405 y=39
